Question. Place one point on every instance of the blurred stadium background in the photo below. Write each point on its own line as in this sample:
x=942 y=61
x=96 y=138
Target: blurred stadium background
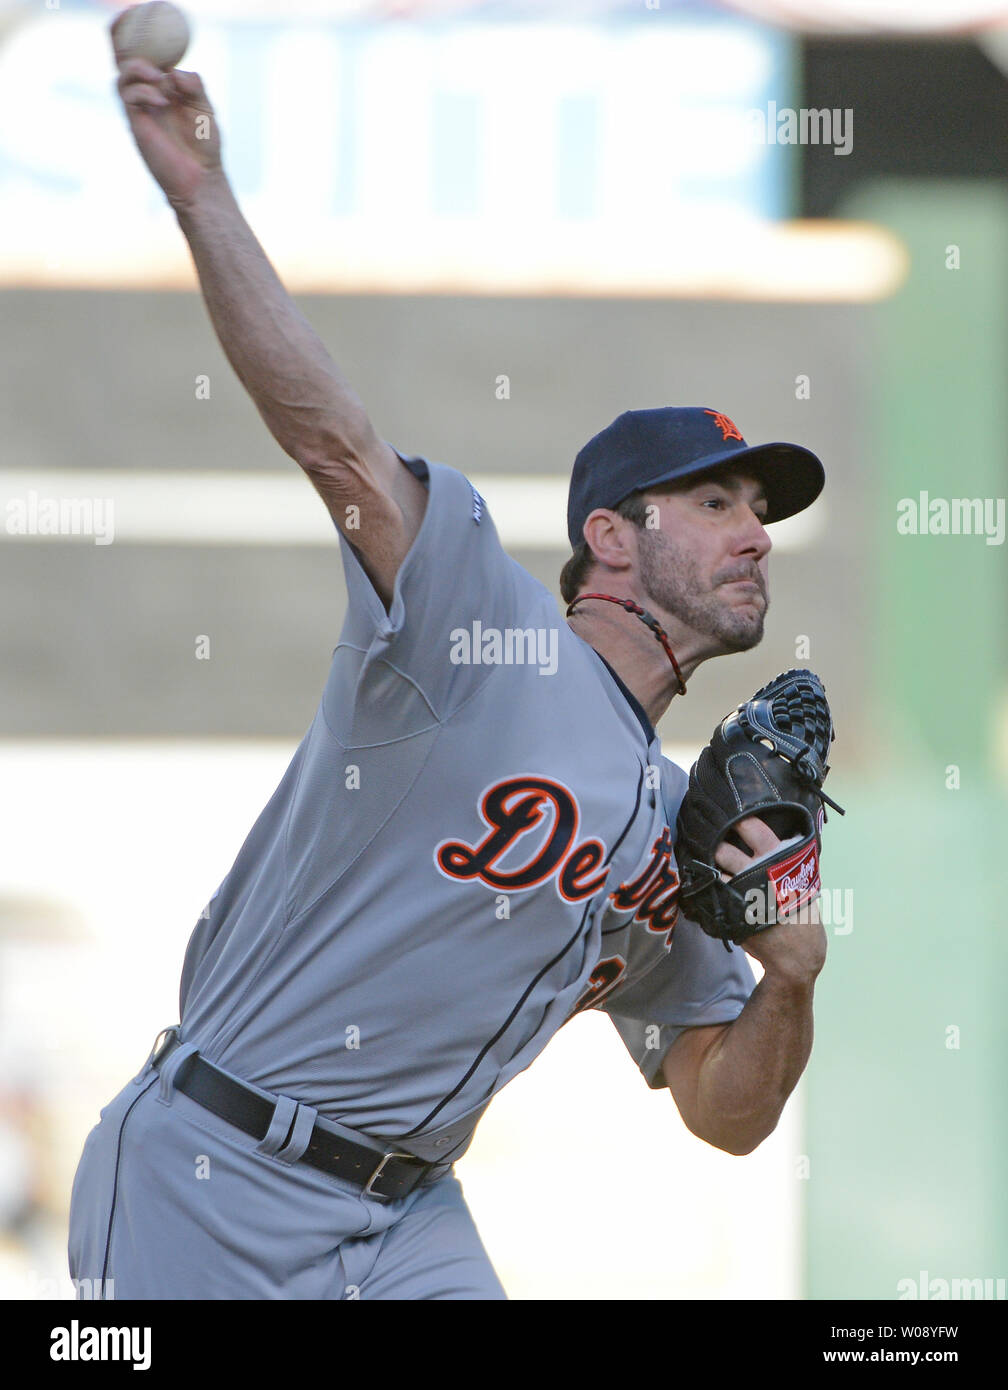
x=510 y=222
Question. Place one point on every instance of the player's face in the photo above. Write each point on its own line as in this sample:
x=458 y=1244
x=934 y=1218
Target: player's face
x=706 y=562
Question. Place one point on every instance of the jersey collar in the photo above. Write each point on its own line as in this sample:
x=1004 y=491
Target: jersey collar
x=632 y=701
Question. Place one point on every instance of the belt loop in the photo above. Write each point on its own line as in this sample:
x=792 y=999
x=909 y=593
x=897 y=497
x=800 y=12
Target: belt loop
x=160 y=1042
x=304 y=1123
x=273 y=1139
x=170 y=1069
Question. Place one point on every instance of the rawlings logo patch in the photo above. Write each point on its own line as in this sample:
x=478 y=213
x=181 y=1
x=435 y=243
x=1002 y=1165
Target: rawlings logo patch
x=796 y=879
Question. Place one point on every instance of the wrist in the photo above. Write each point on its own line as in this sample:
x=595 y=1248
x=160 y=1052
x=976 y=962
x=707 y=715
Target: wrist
x=212 y=192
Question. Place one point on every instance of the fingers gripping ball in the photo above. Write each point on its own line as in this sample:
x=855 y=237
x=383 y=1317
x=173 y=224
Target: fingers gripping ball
x=158 y=32
x=768 y=759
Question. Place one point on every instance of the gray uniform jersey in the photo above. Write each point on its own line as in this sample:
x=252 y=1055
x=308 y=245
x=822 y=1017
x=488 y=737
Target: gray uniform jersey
x=472 y=843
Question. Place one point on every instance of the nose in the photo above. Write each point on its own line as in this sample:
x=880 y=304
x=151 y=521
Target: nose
x=753 y=538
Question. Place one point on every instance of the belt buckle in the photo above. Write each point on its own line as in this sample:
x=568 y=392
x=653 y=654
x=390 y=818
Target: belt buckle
x=369 y=1186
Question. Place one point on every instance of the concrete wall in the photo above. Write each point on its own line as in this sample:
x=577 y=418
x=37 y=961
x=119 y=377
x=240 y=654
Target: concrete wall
x=100 y=640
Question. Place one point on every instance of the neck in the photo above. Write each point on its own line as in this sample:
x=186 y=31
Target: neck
x=634 y=652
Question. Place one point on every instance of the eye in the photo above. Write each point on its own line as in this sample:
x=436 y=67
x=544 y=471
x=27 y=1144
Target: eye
x=713 y=502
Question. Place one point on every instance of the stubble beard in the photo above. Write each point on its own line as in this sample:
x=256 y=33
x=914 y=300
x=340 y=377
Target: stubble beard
x=670 y=579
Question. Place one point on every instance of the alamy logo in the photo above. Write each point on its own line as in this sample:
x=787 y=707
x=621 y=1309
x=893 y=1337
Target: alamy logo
x=509 y=646
x=806 y=126
x=925 y=515
x=77 y=1343
x=34 y=515
x=924 y=1287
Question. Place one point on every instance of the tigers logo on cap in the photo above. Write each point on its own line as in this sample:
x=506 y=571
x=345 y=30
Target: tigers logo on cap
x=644 y=449
x=727 y=428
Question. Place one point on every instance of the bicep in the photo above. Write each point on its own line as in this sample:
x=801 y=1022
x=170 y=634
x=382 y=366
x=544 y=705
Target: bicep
x=374 y=499
x=682 y=1065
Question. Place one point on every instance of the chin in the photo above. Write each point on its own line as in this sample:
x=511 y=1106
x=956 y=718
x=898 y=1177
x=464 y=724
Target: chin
x=743 y=639
x=741 y=631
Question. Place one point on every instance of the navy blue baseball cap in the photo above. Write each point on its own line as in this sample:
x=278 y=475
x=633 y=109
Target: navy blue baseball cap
x=643 y=448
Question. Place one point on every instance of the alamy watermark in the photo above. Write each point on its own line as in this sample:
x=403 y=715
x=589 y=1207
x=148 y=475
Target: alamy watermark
x=509 y=646
x=61 y=516
x=925 y=515
x=77 y=1343
x=835 y=907
x=924 y=1287
x=806 y=126
x=49 y=1288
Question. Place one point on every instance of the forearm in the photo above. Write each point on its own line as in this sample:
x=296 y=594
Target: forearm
x=305 y=401
x=749 y=1073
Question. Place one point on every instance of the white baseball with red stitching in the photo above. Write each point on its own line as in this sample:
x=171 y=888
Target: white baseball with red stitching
x=156 y=31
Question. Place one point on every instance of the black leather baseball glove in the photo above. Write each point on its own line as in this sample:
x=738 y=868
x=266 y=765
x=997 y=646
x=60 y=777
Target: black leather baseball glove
x=768 y=759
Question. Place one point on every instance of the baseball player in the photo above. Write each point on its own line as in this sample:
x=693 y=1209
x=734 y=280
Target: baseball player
x=473 y=842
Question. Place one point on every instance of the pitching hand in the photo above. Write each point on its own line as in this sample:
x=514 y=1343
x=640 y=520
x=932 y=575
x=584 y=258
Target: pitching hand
x=793 y=949
x=173 y=125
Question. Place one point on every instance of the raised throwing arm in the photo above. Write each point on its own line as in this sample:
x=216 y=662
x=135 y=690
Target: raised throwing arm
x=309 y=407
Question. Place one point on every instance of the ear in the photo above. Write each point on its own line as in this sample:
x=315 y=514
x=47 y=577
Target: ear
x=611 y=538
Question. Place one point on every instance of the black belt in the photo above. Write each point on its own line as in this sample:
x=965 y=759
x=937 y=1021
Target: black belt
x=388 y=1176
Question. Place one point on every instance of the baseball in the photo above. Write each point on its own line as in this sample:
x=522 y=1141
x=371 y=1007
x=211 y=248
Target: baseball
x=157 y=31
